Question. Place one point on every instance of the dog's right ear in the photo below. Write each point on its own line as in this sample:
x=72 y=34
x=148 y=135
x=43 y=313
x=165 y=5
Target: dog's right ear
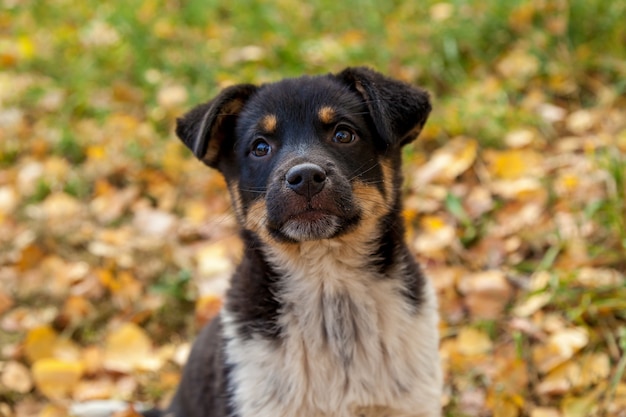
x=206 y=128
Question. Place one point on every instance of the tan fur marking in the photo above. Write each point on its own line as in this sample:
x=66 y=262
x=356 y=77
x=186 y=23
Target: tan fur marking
x=256 y=219
x=388 y=172
x=269 y=123
x=326 y=114
x=235 y=196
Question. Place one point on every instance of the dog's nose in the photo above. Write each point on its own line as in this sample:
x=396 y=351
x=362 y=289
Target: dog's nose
x=306 y=179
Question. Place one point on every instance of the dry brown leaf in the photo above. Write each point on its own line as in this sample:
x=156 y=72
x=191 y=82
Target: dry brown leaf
x=207 y=307
x=6 y=302
x=520 y=138
x=56 y=378
x=518 y=65
x=545 y=412
x=171 y=97
x=580 y=121
x=16 y=377
x=600 y=277
x=53 y=410
x=8 y=200
x=532 y=304
x=214 y=261
x=560 y=379
x=486 y=293
x=60 y=207
x=155 y=223
x=99 y=388
x=75 y=309
x=92 y=359
x=448 y=162
x=435 y=234
x=580 y=406
x=559 y=348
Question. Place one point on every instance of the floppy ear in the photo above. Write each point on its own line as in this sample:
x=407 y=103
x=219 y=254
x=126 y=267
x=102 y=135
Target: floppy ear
x=205 y=128
x=399 y=110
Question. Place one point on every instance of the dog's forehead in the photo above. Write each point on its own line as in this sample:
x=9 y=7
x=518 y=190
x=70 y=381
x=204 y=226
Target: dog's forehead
x=304 y=99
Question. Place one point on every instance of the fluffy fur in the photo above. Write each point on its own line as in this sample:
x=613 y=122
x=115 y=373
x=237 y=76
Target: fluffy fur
x=328 y=314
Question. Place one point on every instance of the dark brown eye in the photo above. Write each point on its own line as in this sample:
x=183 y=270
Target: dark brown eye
x=261 y=148
x=344 y=136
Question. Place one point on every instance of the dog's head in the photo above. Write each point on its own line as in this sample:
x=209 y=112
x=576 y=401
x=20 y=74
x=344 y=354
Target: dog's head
x=309 y=158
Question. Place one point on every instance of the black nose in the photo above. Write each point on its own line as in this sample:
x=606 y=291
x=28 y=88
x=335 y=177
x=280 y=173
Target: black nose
x=306 y=179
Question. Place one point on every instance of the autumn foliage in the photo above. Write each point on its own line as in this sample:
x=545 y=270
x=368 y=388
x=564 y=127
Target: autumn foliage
x=116 y=245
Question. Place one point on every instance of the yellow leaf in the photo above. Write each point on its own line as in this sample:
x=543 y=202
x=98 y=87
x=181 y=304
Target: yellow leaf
x=472 y=341
x=26 y=47
x=128 y=348
x=56 y=378
x=596 y=367
x=96 y=152
x=53 y=410
x=579 y=406
x=512 y=164
x=39 y=343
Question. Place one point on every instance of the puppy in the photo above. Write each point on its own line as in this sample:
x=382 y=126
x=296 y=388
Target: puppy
x=328 y=314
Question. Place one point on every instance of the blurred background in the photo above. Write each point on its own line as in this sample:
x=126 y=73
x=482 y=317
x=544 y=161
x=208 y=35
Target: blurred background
x=116 y=245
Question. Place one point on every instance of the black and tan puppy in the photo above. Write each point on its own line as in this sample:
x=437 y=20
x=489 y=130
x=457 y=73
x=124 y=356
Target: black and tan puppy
x=328 y=315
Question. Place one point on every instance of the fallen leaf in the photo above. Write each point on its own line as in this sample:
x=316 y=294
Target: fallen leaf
x=486 y=293
x=472 y=342
x=127 y=348
x=579 y=406
x=172 y=96
x=39 y=343
x=207 y=307
x=512 y=164
x=6 y=302
x=545 y=412
x=559 y=348
x=600 y=277
x=56 y=378
x=449 y=161
x=435 y=234
x=155 y=223
x=16 y=377
x=53 y=410
x=8 y=200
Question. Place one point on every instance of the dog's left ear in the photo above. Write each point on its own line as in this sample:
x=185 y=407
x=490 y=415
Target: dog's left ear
x=399 y=110
x=207 y=128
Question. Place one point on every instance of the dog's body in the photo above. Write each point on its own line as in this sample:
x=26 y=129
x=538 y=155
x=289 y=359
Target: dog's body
x=328 y=315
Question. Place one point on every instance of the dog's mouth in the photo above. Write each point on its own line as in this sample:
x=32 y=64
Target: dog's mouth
x=309 y=201
x=311 y=225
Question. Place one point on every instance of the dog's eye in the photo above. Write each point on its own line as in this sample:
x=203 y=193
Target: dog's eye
x=344 y=136
x=260 y=148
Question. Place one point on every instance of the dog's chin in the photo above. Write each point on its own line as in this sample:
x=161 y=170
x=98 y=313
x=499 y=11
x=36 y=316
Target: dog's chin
x=311 y=225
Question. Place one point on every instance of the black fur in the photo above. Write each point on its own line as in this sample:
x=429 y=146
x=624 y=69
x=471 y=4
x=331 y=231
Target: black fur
x=225 y=132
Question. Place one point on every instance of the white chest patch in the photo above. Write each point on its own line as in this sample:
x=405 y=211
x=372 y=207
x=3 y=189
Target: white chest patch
x=351 y=346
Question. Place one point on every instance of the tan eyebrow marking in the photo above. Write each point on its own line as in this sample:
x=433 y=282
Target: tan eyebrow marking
x=268 y=123
x=326 y=114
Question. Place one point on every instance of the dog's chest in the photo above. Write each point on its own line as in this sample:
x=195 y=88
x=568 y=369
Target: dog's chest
x=351 y=344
